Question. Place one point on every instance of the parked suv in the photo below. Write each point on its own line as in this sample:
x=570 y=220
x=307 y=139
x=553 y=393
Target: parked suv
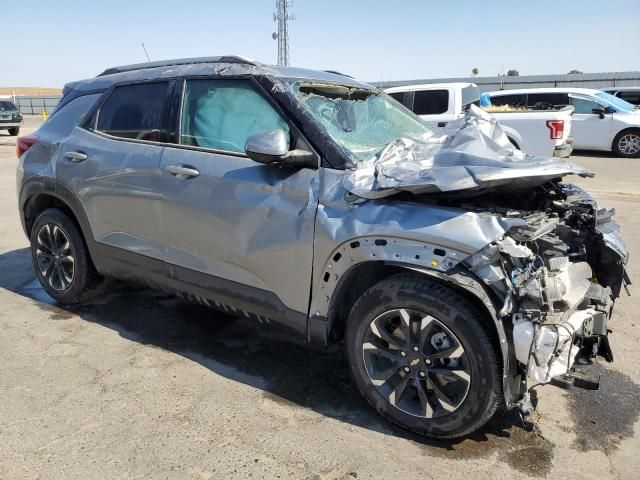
x=225 y=181
x=10 y=117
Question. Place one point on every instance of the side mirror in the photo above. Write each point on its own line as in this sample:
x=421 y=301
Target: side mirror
x=267 y=147
x=273 y=147
x=598 y=111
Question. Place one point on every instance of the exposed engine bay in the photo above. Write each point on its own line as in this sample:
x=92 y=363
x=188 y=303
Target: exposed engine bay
x=557 y=273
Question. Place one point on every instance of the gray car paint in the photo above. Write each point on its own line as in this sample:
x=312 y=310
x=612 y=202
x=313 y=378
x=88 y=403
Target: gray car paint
x=132 y=203
x=118 y=186
x=274 y=229
x=248 y=222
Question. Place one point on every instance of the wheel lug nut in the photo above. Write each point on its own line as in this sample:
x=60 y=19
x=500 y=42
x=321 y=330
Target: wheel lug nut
x=415 y=348
x=422 y=374
x=403 y=354
x=407 y=369
x=427 y=361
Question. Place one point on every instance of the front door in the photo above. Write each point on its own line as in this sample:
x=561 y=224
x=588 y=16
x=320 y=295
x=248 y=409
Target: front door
x=240 y=231
x=588 y=129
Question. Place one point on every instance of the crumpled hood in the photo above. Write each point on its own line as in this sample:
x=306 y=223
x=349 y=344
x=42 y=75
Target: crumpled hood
x=475 y=156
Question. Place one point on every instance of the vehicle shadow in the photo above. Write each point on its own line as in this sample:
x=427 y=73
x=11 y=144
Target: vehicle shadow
x=593 y=153
x=285 y=369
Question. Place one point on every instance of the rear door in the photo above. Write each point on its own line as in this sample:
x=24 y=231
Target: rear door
x=239 y=230
x=114 y=168
x=589 y=130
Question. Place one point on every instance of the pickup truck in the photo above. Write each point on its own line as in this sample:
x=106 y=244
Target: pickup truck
x=539 y=132
x=600 y=121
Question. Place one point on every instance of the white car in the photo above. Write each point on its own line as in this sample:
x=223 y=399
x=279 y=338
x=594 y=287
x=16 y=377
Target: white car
x=544 y=133
x=600 y=122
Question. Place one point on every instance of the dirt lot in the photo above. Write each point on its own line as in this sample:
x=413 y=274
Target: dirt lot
x=139 y=385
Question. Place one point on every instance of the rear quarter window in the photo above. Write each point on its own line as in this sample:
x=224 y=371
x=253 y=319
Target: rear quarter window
x=61 y=123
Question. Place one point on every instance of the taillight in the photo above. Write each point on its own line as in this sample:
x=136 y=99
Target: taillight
x=556 y=129
x=25 y=143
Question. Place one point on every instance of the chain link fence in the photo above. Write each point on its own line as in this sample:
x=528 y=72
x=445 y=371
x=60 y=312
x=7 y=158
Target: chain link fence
x=35 y=105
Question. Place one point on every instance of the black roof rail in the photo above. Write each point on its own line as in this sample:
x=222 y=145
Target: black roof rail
x=180 y=61
x=338 y=73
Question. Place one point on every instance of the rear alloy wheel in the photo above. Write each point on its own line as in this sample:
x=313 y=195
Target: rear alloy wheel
x=61 y=260
x=627 y=144
x=55 y=257
x=424 y=357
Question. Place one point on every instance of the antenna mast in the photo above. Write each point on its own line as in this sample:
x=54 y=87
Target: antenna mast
x=282 y=16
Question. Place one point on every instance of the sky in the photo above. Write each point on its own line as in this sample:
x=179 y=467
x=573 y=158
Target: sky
x=50 y=42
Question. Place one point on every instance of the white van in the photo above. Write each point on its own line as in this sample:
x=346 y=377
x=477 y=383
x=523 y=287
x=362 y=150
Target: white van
x=600 y=122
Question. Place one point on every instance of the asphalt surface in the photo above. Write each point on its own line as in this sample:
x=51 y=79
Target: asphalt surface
x=137 y=384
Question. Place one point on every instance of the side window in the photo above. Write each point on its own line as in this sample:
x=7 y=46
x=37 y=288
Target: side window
x=135 y=111
x=584 y=106
x=630 y=96
x=544 y=101
x=516 y=100
x=222 y=114
x=397 y=96
x=431 y=102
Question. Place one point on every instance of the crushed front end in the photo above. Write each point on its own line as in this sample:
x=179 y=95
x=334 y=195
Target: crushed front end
x=557 y=274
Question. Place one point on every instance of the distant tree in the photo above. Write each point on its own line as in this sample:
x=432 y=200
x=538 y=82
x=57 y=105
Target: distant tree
x=475 y=71
x=574 y=71
x=513 y=73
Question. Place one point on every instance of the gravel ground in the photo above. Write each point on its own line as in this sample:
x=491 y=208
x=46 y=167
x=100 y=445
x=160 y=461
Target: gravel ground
x=137 y=384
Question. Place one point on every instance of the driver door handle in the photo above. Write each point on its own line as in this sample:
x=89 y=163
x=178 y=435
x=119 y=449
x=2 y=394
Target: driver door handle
x=183 y=170
x=76 y=156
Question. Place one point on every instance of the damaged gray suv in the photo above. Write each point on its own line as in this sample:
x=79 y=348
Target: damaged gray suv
x=454 y=269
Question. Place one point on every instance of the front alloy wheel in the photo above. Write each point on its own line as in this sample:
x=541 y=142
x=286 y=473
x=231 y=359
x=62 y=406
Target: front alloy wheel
x=424 y=356
x=416 y=362
x=627 y=143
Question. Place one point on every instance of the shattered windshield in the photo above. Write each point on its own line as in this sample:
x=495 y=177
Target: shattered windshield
x=359 y=120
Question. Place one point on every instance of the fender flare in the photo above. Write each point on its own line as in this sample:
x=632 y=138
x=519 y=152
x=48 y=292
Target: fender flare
x=409 y=255
x=49 y=186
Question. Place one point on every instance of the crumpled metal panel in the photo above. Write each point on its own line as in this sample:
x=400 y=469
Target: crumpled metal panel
x=339 y=221
x=476 y=156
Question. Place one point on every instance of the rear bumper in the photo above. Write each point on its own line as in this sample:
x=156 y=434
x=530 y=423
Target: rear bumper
x=9 y=124
x=564 y=150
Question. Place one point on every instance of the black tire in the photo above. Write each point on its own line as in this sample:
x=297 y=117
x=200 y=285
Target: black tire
x=457 y=322
x=66 y=281
x=627 y=143
x=14 y=131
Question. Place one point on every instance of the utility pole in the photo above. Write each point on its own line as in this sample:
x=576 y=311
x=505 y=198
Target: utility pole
x=282 y=16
